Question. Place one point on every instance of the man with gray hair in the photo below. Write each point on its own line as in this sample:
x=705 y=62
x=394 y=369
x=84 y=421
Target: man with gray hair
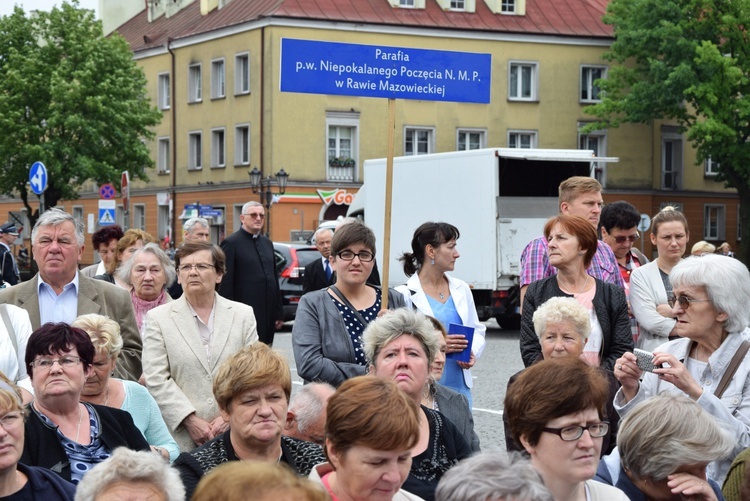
x=59 y=293
x=306 y=417
x=319 y=274
x=251 y=276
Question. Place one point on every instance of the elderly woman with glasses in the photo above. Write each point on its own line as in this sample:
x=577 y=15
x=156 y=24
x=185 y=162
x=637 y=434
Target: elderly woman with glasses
x=327 y=332
x=556 y=411
x=187 y=340
x=710 y=363
x=62 y=433
x=19 y=481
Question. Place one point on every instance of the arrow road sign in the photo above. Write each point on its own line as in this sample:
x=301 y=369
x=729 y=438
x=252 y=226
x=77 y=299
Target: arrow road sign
x=38 y=178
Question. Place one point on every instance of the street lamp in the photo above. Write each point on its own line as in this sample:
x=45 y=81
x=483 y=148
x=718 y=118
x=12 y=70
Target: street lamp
x=257 y=183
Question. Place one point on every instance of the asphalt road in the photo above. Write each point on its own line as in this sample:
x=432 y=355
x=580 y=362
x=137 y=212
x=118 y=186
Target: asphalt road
x=500 y=360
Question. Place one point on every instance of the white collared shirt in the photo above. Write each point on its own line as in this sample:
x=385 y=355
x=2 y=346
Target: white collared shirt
x=205 y=331
x=55 y=307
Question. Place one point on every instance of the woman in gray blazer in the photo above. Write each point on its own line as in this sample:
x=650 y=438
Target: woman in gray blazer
x=185 y=342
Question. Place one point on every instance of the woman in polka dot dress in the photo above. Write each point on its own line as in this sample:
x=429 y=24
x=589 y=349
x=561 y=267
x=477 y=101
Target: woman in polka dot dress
x=327 y=333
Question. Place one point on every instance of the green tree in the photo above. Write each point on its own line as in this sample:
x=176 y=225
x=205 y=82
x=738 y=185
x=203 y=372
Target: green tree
x=71 y=98
x=686 y=60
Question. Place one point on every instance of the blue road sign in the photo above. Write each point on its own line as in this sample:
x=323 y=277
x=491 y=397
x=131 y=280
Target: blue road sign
x=315 y=67
x=210 y=213
x=106 y=217
x=38 y=178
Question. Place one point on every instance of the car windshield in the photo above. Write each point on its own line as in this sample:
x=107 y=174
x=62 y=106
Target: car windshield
x=307 y=256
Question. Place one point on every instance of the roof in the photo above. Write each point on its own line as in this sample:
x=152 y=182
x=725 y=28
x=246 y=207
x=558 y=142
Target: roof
x=578 y=18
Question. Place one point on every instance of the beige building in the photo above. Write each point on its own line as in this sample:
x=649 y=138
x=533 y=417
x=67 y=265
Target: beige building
x=213 y=68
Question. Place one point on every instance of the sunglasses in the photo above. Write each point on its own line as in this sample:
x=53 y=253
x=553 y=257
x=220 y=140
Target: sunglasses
x=683 y=301
x=631 y=239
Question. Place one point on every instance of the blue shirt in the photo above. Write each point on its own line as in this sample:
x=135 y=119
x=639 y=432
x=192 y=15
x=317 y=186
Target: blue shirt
x=58 y=308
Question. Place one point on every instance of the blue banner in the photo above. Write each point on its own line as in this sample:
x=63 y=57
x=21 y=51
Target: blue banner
x=315 y=67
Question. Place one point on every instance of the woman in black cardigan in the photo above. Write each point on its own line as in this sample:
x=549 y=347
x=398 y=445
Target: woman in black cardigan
x=572 y=244
x=63 y=434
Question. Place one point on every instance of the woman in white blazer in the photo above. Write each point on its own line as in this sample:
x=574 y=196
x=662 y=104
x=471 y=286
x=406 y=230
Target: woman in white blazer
x=186 y=341
x=433 y=292
x=649 y=285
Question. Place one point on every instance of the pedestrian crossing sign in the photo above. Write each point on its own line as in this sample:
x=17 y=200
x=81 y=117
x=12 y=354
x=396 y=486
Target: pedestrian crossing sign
x=106 y=217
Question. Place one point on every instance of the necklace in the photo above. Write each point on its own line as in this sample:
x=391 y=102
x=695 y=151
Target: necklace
x=80 y=417
x=585 y=281
x=106 y=400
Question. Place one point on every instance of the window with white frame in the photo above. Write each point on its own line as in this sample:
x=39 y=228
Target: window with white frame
x=597 y=142
x=195 y=150
x=714 y=222
x=139 y=217
x=342 y=145
x=242 y=73
x=163 y=155
x=78 y=213
x=458 y=4
x=711 y=167
x=218 y=90
x=162 y=221
x=671 y=158
x=195 y=90
x=418 y=141
x=242 y=144
x=522 y=139
x=406 y=3
x=523 y=81
x=218 y=148
x=591 y=93
x=163 y=91
x=469 y=139
x=508 y=6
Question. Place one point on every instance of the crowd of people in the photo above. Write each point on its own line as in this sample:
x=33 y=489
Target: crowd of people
x=151 y=378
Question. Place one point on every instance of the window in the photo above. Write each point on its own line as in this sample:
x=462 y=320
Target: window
x=711 y=167
x=508 y=6
x=195 y=92
x=342 y=139
x=522 y=81
x=671 y=158
x=406 y=3
x=217 y=79
x=164 y=155
x=195 y=151
x=139 y=217
x=739 y=225
x=78 y=213
x=242 y=145
x=162 y=219
x=522 y=139
x=242 y=73
x=163 y=91
x=218 y=148
x=597 y=142
x=714 y=221
x=590 y=93
x=418 y=141
x=470 y=140
x=458 y=4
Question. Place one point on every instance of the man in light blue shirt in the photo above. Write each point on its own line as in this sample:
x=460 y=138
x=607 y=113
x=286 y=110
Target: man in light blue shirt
x=58 y=293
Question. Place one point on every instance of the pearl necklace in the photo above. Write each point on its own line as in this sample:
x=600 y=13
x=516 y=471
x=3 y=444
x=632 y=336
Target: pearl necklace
x=80 y=418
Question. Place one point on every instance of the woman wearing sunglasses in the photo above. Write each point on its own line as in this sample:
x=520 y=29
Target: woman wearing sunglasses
x=650 y=286
x=327 y=332
x=710 y=363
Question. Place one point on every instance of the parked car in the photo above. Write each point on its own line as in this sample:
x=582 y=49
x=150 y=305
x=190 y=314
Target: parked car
x=291 y=259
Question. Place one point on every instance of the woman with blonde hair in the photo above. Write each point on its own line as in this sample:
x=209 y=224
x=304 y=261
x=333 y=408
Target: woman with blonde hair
x=650 y=287
x=104 y=389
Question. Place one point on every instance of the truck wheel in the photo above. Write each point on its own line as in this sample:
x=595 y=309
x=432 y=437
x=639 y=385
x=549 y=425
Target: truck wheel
x=512 y=323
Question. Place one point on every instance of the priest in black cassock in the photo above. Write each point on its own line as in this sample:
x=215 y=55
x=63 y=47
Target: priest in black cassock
x=251 y=276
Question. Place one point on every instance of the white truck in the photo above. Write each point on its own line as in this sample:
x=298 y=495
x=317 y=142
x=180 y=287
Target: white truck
x=498 y=198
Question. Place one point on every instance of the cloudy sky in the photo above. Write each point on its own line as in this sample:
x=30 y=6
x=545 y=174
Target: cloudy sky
x=6 y=6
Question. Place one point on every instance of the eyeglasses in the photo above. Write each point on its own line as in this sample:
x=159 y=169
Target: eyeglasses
x=11 y=421
x=629 y=238
x=47 y=363
x=570 y=433
x=254 y=215
x=201 y=267
x=683 y=301
x=364 y=256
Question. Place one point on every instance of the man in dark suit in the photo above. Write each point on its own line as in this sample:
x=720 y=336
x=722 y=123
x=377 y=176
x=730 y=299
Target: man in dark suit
x=8 y=235
x=251 y=275
x=319 y=274
x=59 y=293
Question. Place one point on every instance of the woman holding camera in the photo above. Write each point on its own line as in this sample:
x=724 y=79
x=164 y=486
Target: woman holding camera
x=710 y=362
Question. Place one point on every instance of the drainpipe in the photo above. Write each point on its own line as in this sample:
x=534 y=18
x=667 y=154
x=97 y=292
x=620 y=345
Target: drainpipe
x=262 y=115
x=173 y=142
